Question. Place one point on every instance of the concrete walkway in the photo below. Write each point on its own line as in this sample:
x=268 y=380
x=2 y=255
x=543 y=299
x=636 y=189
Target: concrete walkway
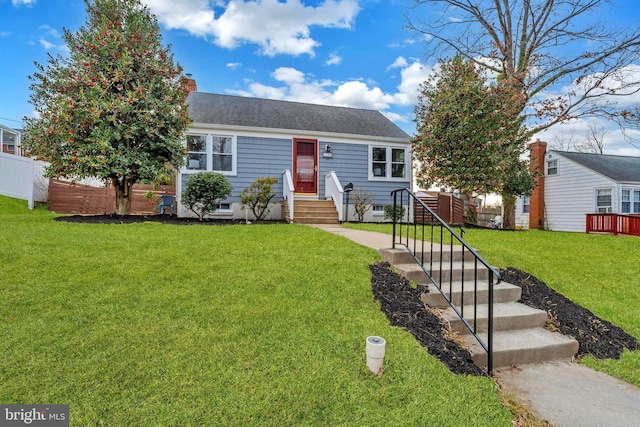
x=565 y=394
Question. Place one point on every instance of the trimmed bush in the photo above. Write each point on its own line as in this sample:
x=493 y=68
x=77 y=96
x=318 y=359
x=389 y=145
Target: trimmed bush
x=258 y=195
x=204 y=191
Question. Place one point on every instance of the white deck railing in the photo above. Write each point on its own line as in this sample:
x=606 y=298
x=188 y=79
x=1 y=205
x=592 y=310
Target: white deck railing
x=333 y=189
x=288 y=190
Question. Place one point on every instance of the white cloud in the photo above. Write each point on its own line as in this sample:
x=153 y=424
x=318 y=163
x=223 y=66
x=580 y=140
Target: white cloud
x=400 y=62
x=295 y=85
x=277 y=27
x=4 y=34
x=47 y=45
x=234 y=65
x=51 y=33
x=27 y=3
x=409 y=88
x=333 y=60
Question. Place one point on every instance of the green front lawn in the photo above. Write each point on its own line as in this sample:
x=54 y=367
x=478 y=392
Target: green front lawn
x=151 y=324
x=599 y=272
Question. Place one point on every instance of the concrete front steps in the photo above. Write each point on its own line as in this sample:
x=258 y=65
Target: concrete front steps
x=519 y=336
x=312 y=211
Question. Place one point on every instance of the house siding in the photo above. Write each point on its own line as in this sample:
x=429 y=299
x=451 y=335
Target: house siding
x=522 y=218
x=570 y=195
x=270 y=156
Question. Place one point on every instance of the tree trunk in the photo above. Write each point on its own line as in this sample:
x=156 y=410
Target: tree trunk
x=124 y=191
x=509 y=214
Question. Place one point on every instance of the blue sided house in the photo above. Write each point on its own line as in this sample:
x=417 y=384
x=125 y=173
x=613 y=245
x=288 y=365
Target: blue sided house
x=314 y=151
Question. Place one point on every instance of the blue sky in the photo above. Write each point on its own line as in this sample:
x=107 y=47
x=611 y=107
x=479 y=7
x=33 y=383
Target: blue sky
x=341 y=52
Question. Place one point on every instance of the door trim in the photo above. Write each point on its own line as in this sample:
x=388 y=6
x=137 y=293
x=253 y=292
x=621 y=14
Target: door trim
x=315 y=165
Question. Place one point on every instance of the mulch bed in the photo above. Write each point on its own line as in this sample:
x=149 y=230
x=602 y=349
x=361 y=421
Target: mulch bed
x=403 y=307
x=165 y=219
x=596 y=336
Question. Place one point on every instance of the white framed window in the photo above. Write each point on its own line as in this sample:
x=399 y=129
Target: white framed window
x=552 y=167
x=603 y=200
x=9 y=141
x=197 y=152
x=625 y=201
x=223 y=207
x=636 y=201
x=378 y=209
x=387 y=162
x=209 y=152
x=526 y=204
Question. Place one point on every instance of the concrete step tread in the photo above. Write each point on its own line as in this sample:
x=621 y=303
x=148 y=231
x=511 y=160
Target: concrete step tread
x=400 y=255
x=502 y=292
x=446 y=266
x=503 y=309
x=483 y=286
x=523 y=346
x=506 y=316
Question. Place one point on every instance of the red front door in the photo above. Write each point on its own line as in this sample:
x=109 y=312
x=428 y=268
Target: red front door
x=305 y=164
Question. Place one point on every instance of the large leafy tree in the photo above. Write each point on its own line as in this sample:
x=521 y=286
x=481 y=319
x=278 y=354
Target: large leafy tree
x=470 y=135
x=113 y=108
x=540 y=45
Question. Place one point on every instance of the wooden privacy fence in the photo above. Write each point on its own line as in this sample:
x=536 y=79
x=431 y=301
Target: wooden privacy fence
x=449 y=208
x=613 y=223
x=74 y=198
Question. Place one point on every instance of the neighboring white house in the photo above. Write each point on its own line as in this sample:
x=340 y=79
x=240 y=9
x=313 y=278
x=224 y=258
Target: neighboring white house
x=10 y=140
x=20 y=177
x=577 y=184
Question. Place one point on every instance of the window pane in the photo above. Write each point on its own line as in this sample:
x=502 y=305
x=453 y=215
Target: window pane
x=197 y=143
x=397 y=170
x=397 y=155
x=221 y=144
x=552 y=167
x=626 y=201
x=222 y=162
x=636 y=201
x=197 y=161
x=379 y=169
x=526 y=204
x=603 y=200
x=397 y=163
x=379 y=154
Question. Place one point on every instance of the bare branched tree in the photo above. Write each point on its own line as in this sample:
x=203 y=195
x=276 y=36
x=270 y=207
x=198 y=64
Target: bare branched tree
x=564 y=141
x=594 y=140
x=538 y=45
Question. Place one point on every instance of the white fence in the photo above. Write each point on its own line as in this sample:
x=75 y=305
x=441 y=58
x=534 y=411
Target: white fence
x=22 y=178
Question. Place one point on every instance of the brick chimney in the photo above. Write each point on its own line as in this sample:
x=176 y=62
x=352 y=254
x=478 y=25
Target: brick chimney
x=536 y=201
x=189 y=84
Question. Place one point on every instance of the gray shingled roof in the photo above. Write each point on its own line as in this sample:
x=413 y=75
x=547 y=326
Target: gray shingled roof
x=618 y=168
x=218 y=109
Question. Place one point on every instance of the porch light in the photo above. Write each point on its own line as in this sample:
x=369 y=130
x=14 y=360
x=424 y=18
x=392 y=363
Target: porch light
x=327 y=153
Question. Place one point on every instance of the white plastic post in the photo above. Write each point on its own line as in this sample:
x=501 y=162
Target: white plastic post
x=375 y=350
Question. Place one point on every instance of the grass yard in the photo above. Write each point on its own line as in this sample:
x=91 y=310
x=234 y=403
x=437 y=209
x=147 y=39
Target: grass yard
x=152 y=324
x=599 y=272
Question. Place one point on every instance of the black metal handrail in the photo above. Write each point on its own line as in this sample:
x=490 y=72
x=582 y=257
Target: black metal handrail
x=419 y=248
